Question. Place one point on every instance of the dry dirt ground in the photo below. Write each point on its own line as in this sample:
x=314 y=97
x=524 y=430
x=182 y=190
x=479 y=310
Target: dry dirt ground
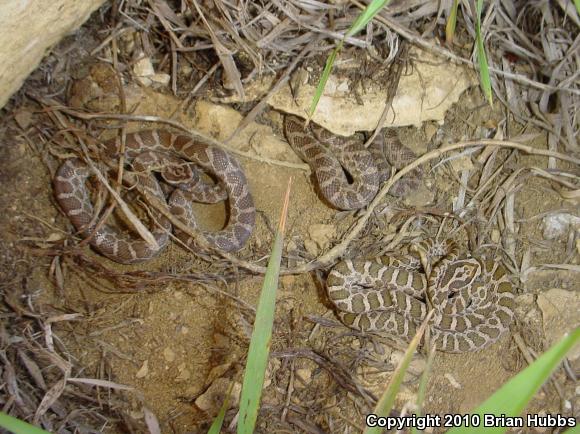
x=173 y=339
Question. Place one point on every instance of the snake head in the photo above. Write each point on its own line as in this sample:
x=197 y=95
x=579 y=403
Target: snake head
x=460 y=274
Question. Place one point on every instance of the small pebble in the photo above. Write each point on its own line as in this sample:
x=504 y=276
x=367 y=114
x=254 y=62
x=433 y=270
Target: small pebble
x=169 y=355
x=305 y=377
x=322 y=234
x=311 y=247
x=214 y=396
x=452 y=381
x=143 y=370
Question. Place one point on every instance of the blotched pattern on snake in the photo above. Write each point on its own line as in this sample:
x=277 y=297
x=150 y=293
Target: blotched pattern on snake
x=473 y=298
x=329 y=156
x=180 y=159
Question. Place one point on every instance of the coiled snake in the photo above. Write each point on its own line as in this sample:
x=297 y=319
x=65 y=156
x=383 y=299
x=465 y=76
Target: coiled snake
x=147 y=149
x=329 y=156
x=158 y=147
x=472 y=298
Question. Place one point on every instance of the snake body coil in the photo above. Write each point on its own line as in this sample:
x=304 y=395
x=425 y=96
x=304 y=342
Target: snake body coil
x=148 y=148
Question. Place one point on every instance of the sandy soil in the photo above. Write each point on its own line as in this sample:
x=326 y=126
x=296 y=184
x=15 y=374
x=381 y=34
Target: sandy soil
x=173 y=339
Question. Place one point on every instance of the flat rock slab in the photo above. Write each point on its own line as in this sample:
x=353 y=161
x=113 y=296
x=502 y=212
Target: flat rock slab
x=426 y=90
x=28 y=29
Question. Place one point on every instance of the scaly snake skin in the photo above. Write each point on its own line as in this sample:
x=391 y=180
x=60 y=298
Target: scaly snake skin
x=473 y=298
x=158 y=147
x=164 y=151
x=327 y=155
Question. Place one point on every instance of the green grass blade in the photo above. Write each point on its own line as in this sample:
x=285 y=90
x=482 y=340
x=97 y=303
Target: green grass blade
x=218 y=422
x=386 y=402
x=577 y=4
x=452 y=22
x=18 y=426
x=484 y=77
x=423 y=387
x=362 y=20
x=513 y=396
x=262 y=334
x=575 y=430
x=366 y=16
x=323 y=79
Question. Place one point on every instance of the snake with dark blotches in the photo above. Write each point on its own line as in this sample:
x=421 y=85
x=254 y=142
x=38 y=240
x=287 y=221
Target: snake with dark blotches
x=333 y=159
x=181 y=158
x=472 y=298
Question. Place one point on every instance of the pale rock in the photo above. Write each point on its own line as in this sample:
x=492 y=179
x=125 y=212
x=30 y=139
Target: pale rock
x=253 y=90
x=21 y=148
x=305 y=377
x=526 y=310
x=452 y=381
x=144 y=81
x=28 y=31
x=267 y=145
x=184 y=373
x=561 y=314
x=161 y=79
x=55 y=236
x=185 y=70
x=419 y=197
x=396 y=357
x=217 y=372
x=23 y=118
x=311 y=247
x=143 y=370
x=168 y=355
x=291 y=246
x=430 y=130
x=460 y=163
x=322 y=234
x=558 y=225
x=220 y=122
x=143 y=67
x=143 y=70
x=423 y=95
x=417 y=365
x=136 y=414
x=213 y=398
x=191 y=391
